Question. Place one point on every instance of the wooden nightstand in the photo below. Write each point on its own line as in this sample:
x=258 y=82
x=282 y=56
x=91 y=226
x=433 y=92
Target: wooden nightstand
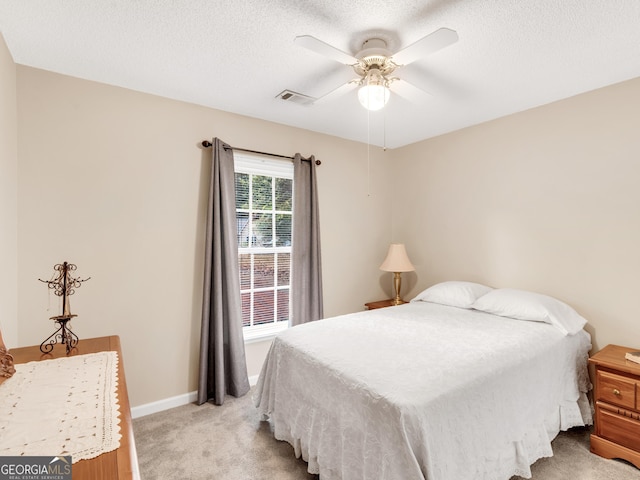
x=617 y=402
x=379 y=304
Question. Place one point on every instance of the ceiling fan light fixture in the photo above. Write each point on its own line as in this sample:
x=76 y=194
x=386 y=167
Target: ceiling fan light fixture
x=374 y=93
x=373 y=97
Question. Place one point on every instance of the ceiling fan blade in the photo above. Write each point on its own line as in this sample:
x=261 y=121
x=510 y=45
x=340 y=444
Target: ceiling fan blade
x=409 y=91
x=433 y=42
x=318 y=46
x=341 y=90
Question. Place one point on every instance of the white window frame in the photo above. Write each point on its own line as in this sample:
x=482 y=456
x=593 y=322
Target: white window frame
x=258 y=165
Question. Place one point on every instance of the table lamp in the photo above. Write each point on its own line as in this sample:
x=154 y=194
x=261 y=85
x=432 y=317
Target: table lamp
x=397 y=262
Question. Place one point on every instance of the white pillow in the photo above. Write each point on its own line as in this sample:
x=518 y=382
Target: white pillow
x=453 y=293
x=524 y=305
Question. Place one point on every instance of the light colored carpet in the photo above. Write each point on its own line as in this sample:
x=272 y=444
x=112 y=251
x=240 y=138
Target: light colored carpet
x=230 y=443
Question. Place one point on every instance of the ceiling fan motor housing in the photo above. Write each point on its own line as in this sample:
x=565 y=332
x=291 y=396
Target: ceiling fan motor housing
x=374 y=55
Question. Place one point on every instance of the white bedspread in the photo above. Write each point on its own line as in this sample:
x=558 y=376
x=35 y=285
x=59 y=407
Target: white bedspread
x=423 y=391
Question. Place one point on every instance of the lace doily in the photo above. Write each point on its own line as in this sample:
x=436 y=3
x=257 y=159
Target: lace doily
x=65 y=406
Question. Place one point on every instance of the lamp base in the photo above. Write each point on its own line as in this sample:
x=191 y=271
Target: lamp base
x=397 y=284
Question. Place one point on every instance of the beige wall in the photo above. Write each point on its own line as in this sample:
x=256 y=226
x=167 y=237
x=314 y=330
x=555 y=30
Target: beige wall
x=115 y=181
x=545 y=200
x=8 y=199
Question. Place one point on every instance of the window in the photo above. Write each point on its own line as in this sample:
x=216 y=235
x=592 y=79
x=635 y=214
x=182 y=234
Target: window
x=264 y=201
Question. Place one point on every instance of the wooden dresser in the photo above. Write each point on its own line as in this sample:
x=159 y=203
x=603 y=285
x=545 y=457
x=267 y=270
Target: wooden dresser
x=121 y=463
x=617 y=403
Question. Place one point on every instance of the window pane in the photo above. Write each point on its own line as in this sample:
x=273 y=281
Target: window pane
x=262 y=193
x=245 y=271
x=284 y=269
x=244 y=231
x=246 y=309
x=242 y=190
x=284 y=189
x=283 y=230
x=283 y=306
x=262 y=230
x=263 y=270
x=263 y=307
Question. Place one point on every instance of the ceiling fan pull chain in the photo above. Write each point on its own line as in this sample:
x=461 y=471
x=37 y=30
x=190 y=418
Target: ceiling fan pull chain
x=384 y=130
x=368 y=153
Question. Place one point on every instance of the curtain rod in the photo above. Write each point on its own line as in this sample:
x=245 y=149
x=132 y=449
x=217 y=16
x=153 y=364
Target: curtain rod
x=207 y=144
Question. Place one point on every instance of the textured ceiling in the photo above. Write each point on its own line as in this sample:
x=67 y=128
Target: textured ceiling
x=237 y=55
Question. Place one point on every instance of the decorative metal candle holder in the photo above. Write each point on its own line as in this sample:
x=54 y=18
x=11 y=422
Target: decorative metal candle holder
x=63 y=285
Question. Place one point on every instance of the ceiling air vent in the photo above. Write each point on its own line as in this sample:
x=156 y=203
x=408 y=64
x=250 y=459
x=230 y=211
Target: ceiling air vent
x=295 y=97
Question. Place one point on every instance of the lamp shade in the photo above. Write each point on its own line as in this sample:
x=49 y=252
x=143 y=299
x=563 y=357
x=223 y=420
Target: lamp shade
x=397 y=260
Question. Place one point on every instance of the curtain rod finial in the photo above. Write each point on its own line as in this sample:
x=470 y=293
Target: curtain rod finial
x=206 y=143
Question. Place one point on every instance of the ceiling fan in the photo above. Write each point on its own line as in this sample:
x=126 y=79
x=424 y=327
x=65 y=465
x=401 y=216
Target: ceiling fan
x=374 y=63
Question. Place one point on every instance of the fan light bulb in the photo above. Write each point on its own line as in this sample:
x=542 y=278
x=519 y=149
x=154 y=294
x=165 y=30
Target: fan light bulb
x=373 y=97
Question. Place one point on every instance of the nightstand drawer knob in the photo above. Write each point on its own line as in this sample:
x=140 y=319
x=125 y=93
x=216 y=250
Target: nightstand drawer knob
x=616 y=392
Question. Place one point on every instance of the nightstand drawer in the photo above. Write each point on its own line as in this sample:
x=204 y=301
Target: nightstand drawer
x=622 y=430
x=616 y=389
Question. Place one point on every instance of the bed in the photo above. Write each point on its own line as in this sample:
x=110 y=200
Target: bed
x=463 y=382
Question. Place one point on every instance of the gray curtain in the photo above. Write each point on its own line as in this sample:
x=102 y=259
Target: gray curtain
x=223 y=368
x=306 y=270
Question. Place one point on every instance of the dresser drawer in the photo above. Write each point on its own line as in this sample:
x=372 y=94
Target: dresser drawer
x=622 y=430
x=616 y=389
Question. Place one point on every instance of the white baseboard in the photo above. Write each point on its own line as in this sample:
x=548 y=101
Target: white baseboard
x=165 y=404
x=172 y=402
